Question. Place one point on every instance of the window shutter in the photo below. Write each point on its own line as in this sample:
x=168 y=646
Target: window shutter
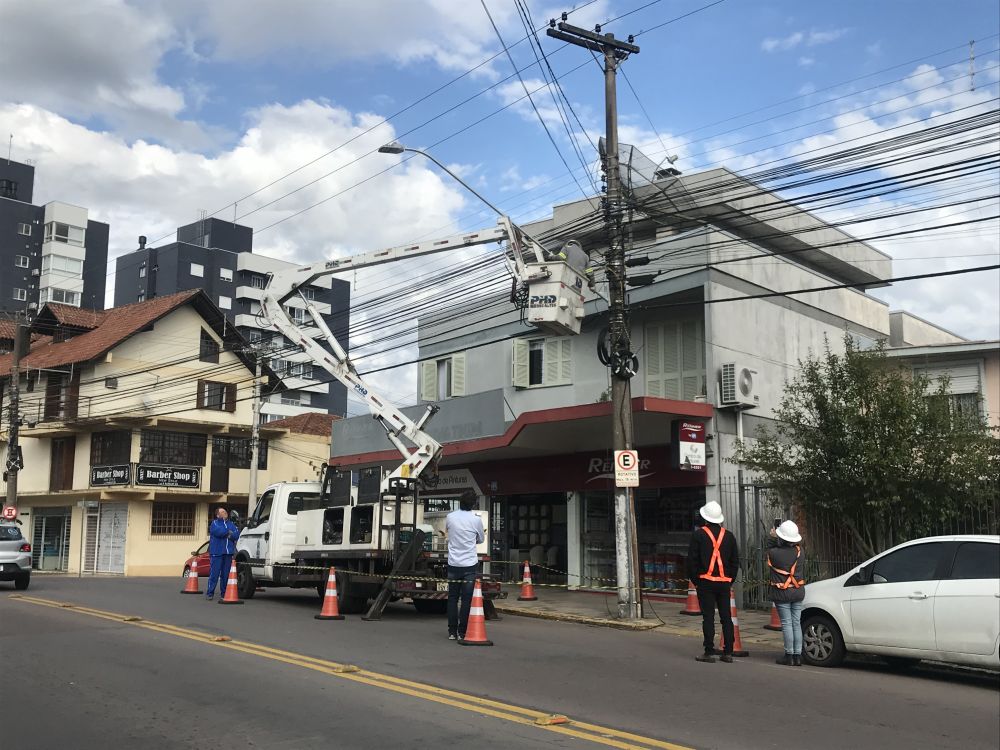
x=230 y=396
x=962 y=378
x=566 y=361
x=671 y=361
x=550 y=362
x=428 y=381
x=458 y=374
x=653 y=355
x=200 y=394
x=520 y=373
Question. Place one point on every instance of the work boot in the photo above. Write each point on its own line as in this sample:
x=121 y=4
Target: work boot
x=796 y=660
x=707 y=658
x=726 y=658
x=785 y=661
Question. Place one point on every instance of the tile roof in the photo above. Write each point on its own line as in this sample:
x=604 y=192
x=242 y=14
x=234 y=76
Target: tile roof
x=77 y=317
x=310 y=423
x=114 y=326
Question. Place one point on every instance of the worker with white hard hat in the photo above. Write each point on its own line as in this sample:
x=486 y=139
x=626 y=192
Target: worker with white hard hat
x=712 y=564
x=786 y=561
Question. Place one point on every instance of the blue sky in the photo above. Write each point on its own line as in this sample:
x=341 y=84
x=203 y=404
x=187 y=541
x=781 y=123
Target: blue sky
x=147 y=111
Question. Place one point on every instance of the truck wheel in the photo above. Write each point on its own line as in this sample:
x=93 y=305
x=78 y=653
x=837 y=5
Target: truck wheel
x=246 y=586
x=22 y=581
x=431 y=606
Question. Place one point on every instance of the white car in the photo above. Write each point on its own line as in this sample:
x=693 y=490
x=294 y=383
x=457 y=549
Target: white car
x=936 y=598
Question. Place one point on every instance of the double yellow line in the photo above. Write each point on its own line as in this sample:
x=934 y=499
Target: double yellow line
x=496 y=709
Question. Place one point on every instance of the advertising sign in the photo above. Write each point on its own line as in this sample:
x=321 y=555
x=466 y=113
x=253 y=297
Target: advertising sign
x=688 y=439
x=168 y=476
x=109 y=476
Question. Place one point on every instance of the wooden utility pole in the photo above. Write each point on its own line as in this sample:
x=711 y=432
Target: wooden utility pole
x=255 y=433
x=620 y=356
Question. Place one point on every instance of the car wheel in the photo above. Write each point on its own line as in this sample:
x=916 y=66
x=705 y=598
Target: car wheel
x=822 y=643
x=21 y=582
x=187 y=571
x=246 y=586
x=431 y=606
x=900 y=663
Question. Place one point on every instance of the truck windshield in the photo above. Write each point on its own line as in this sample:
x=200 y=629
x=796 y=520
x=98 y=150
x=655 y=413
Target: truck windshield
x=303 y=501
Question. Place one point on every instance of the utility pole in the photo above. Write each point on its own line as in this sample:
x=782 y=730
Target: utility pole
x=14 y=460
x=255 y=433
x=620 y=356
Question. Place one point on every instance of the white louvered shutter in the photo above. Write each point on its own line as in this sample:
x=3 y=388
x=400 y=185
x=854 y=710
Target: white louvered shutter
x=566 y=361
x=519 y=359
x=652 y=358
x=458 y=374
x=428 y=381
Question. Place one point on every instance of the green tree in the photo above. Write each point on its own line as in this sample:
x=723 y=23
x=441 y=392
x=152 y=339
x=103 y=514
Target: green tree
x=874 y=446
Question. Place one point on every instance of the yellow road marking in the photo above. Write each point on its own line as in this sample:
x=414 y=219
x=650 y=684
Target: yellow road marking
x=496 y=709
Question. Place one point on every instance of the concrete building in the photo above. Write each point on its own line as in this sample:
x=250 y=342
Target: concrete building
x=48 y=253
x=136 y=423
x=526 y=419
x=217 y=257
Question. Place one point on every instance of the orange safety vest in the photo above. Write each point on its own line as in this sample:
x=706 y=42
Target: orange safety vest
x=716 y=571
x=790 y=582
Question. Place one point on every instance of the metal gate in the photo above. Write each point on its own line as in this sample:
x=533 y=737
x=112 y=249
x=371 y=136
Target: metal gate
x=50 y=538
x=104 y=549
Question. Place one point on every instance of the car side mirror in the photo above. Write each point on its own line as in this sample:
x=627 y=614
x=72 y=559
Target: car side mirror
x=250 y=523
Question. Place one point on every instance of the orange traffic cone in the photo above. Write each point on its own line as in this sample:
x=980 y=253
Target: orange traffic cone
x=331 y=608
x=231 y=596
x=527 y=587
x=475 y=628
x=738 y=649
x=191 y=584
x=775 y=623
x=691 y=606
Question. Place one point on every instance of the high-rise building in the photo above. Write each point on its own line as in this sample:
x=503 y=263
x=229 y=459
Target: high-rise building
x=217 y=256
x=48 y=253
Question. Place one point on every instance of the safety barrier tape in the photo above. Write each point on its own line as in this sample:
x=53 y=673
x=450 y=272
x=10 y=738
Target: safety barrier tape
x=431 y=579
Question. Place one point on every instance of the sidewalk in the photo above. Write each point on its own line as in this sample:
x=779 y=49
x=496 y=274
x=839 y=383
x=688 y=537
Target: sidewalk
x=599 y=609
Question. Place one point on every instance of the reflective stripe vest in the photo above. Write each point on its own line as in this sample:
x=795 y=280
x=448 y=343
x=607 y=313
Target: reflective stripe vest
x=716 y=570
x=790 y=582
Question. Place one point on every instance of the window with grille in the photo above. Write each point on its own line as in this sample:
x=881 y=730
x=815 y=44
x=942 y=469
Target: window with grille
x=111 y=448
x=172 y=519
x=236 y=452
x=173 y=448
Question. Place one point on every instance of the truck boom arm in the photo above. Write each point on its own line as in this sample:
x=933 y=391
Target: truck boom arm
x=399 y=428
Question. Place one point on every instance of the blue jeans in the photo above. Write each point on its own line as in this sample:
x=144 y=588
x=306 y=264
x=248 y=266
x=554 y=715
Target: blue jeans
x=219 y=573
x=461 y=582
x=791 y=626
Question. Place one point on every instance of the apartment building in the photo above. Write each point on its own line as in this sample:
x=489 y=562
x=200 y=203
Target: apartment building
x=217 y=257
x=48 y=253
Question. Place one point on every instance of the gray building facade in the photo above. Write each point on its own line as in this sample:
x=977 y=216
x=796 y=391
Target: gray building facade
x=217 y=257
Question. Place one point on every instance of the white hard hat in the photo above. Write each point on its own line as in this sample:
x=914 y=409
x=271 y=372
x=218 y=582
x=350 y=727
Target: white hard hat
x=712 y=512
x=789 y=532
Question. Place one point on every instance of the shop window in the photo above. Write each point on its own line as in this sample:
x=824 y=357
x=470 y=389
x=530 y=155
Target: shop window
x=172 y=519
x=208 y=348
x=216 y=396
x=542 y=362
x=443 y=378
x=111 y=448
x=173 y=448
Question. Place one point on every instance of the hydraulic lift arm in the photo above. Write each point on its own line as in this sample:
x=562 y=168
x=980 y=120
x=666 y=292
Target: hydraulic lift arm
x=560 y=312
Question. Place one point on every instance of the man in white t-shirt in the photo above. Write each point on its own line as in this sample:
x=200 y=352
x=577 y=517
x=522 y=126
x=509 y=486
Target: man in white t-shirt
x=465 y=531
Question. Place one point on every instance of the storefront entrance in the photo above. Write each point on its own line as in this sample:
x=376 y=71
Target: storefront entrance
x=104 y=545
x=531 y=527
x=50 y=538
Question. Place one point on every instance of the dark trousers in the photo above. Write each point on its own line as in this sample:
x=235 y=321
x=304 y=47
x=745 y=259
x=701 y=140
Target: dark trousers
x=461 y=582
x=714 y=597
x=219 y=573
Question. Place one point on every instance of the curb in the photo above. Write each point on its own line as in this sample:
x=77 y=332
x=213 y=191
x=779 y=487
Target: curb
x=541 y=614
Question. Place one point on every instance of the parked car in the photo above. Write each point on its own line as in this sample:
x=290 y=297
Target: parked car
x=204 y=562
x=15 y=556
x=935 y=598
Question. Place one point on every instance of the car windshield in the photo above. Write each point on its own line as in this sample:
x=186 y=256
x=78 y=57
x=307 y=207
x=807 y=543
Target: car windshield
x=10 y=534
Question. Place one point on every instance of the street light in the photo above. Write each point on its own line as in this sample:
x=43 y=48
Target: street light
x=397 y=148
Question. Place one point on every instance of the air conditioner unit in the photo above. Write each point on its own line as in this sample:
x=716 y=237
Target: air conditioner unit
x=740 y=385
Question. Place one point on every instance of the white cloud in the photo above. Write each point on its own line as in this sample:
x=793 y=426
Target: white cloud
x=806 y=62
x=805 y=38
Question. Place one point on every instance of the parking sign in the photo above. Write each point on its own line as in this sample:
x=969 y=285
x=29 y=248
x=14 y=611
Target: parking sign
x=9 y=512
x=627 y=468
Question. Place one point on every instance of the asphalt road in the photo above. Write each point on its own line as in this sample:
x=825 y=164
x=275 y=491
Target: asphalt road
x=73 y=679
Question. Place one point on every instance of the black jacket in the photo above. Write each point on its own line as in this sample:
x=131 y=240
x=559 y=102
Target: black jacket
x=781 y=554
x=700 y=554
